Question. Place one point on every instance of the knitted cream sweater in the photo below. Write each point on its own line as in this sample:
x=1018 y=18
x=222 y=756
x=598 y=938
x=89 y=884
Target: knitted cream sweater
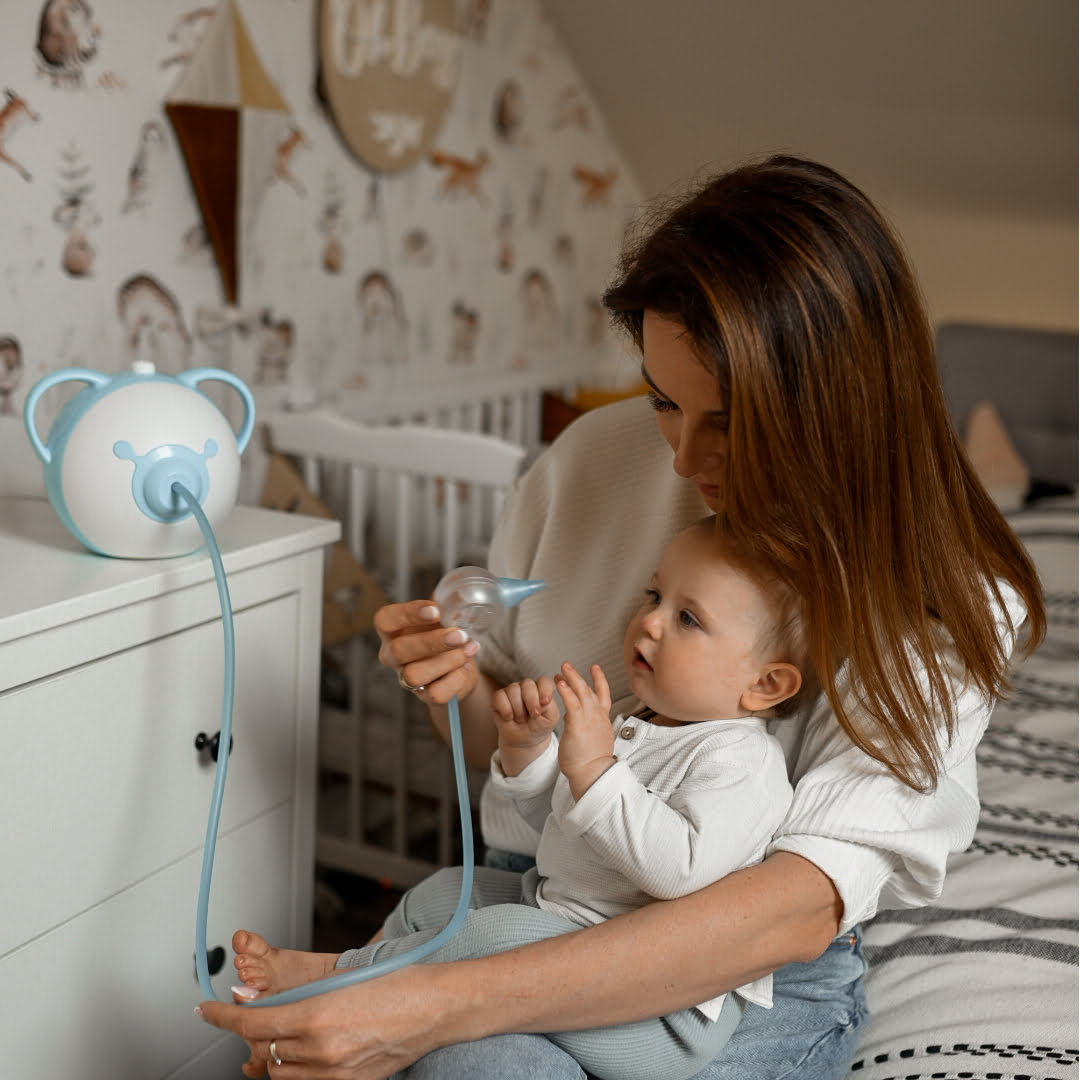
x=591 y=518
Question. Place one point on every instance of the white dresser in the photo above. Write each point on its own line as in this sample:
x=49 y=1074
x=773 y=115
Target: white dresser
x=109 y=670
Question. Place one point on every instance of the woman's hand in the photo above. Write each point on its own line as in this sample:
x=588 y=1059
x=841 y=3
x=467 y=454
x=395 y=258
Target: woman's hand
x=362 y=1032
x=435 y=662
x=525 y=716
x=587 y=746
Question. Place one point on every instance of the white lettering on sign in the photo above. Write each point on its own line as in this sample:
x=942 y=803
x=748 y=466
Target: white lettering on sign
x=362 y=35
x=397 y=131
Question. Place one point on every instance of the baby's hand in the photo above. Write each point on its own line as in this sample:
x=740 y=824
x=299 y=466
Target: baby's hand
x=586 y=749
x=525 y=713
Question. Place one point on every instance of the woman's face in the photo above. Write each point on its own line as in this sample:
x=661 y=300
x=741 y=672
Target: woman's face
x=690 y=412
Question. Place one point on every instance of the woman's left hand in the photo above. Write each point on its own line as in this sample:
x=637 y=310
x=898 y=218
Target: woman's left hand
x=355 y=1033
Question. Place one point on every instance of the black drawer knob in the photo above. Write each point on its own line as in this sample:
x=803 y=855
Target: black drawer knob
x=211 y=743
x=215 y=960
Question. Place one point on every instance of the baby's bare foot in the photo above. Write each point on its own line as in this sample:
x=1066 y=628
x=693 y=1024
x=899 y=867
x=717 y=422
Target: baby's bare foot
x=269 y=970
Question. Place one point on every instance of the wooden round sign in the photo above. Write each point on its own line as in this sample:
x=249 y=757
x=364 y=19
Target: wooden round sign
x=388 y=69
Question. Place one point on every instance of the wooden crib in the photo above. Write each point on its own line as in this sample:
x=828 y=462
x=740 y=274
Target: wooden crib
x=417 y=481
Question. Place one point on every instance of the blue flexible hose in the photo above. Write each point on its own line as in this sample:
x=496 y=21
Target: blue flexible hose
x=354 y=975
x=392 y=963
x=224 y=739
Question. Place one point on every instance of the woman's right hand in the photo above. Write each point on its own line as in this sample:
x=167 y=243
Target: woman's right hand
x=433 y=661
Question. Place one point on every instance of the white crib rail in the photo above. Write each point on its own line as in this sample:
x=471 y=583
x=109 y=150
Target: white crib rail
x=506 y=404
x=410 y=494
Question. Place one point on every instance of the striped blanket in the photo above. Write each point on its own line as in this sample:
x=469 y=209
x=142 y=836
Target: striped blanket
x=983 y=984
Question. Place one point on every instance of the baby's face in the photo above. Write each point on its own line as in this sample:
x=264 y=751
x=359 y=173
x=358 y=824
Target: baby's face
x=691 y=648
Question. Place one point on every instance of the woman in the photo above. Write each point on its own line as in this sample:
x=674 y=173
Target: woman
x=793 y=376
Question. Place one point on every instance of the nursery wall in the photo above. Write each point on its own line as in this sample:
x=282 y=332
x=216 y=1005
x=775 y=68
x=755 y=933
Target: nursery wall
x=488 y=255
x=995 y=269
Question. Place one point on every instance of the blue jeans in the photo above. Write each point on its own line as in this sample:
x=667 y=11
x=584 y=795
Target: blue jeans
x=810 y=1033
x=812 y=1030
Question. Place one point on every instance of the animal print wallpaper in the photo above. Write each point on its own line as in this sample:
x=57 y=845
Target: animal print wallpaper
x=488 y=255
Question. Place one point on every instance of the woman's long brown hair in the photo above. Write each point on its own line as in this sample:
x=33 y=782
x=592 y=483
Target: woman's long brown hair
x=844 y=470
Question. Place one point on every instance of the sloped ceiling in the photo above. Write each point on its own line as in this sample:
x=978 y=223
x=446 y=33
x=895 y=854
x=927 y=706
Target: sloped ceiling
x=944 y=104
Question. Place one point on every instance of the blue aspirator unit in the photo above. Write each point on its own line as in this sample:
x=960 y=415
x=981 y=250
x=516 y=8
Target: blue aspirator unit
x=141 y=465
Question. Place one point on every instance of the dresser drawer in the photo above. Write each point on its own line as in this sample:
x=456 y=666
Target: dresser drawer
x=110 y=995
x=100 y=774
x=221 y=1061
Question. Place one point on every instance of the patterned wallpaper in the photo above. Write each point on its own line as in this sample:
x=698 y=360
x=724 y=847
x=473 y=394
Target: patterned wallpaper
x=488 y=255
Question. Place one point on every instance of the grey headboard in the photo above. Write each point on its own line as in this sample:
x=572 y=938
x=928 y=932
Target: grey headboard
x=1031 y=378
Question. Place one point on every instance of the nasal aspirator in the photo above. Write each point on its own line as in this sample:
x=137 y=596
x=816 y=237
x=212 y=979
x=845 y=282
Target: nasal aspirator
x=474 y=598
x=120 y=444
x=137 y=466
x=141 y=465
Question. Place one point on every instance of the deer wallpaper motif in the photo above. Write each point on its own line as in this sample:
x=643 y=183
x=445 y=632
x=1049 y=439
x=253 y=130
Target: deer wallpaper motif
x=489 y=255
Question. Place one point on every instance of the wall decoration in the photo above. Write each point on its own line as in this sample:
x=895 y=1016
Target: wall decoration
x=110 y=80
x=595 y=186
x=465 y=323
x=475 y=19
x=11 y=369
x=504 y=233
x=417 y=248
x=13 y=113
x=67 y=40
x=283 y=154
x=76 y=214
x=332 y=225
x=274 y=350
x=236 y=133
x=383 y=327
x=153 y=325
x=195 y=245
x=388 y=72
x=538 y=193
x=509 y=112
x=571 y=110
x=539 y=312
x=185 y=35
x=144 y=165
x=369 y=279
x=461 y=176
x=213 y=323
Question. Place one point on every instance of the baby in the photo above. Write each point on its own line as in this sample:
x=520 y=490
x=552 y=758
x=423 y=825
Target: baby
x=647 y=807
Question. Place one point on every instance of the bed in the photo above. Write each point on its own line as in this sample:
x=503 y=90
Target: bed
x=983 y=984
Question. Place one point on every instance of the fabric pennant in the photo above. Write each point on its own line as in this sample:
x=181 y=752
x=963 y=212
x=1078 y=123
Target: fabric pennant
x=229 y=118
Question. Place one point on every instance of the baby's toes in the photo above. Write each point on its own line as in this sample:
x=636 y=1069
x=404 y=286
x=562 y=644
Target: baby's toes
x=254 y=974
x=248 y=943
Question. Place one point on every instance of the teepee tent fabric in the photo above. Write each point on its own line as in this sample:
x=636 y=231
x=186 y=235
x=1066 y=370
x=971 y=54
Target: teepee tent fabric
x=229 y=119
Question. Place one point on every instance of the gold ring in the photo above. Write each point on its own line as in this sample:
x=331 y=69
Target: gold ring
x=274 y=1053
x=406 y=685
